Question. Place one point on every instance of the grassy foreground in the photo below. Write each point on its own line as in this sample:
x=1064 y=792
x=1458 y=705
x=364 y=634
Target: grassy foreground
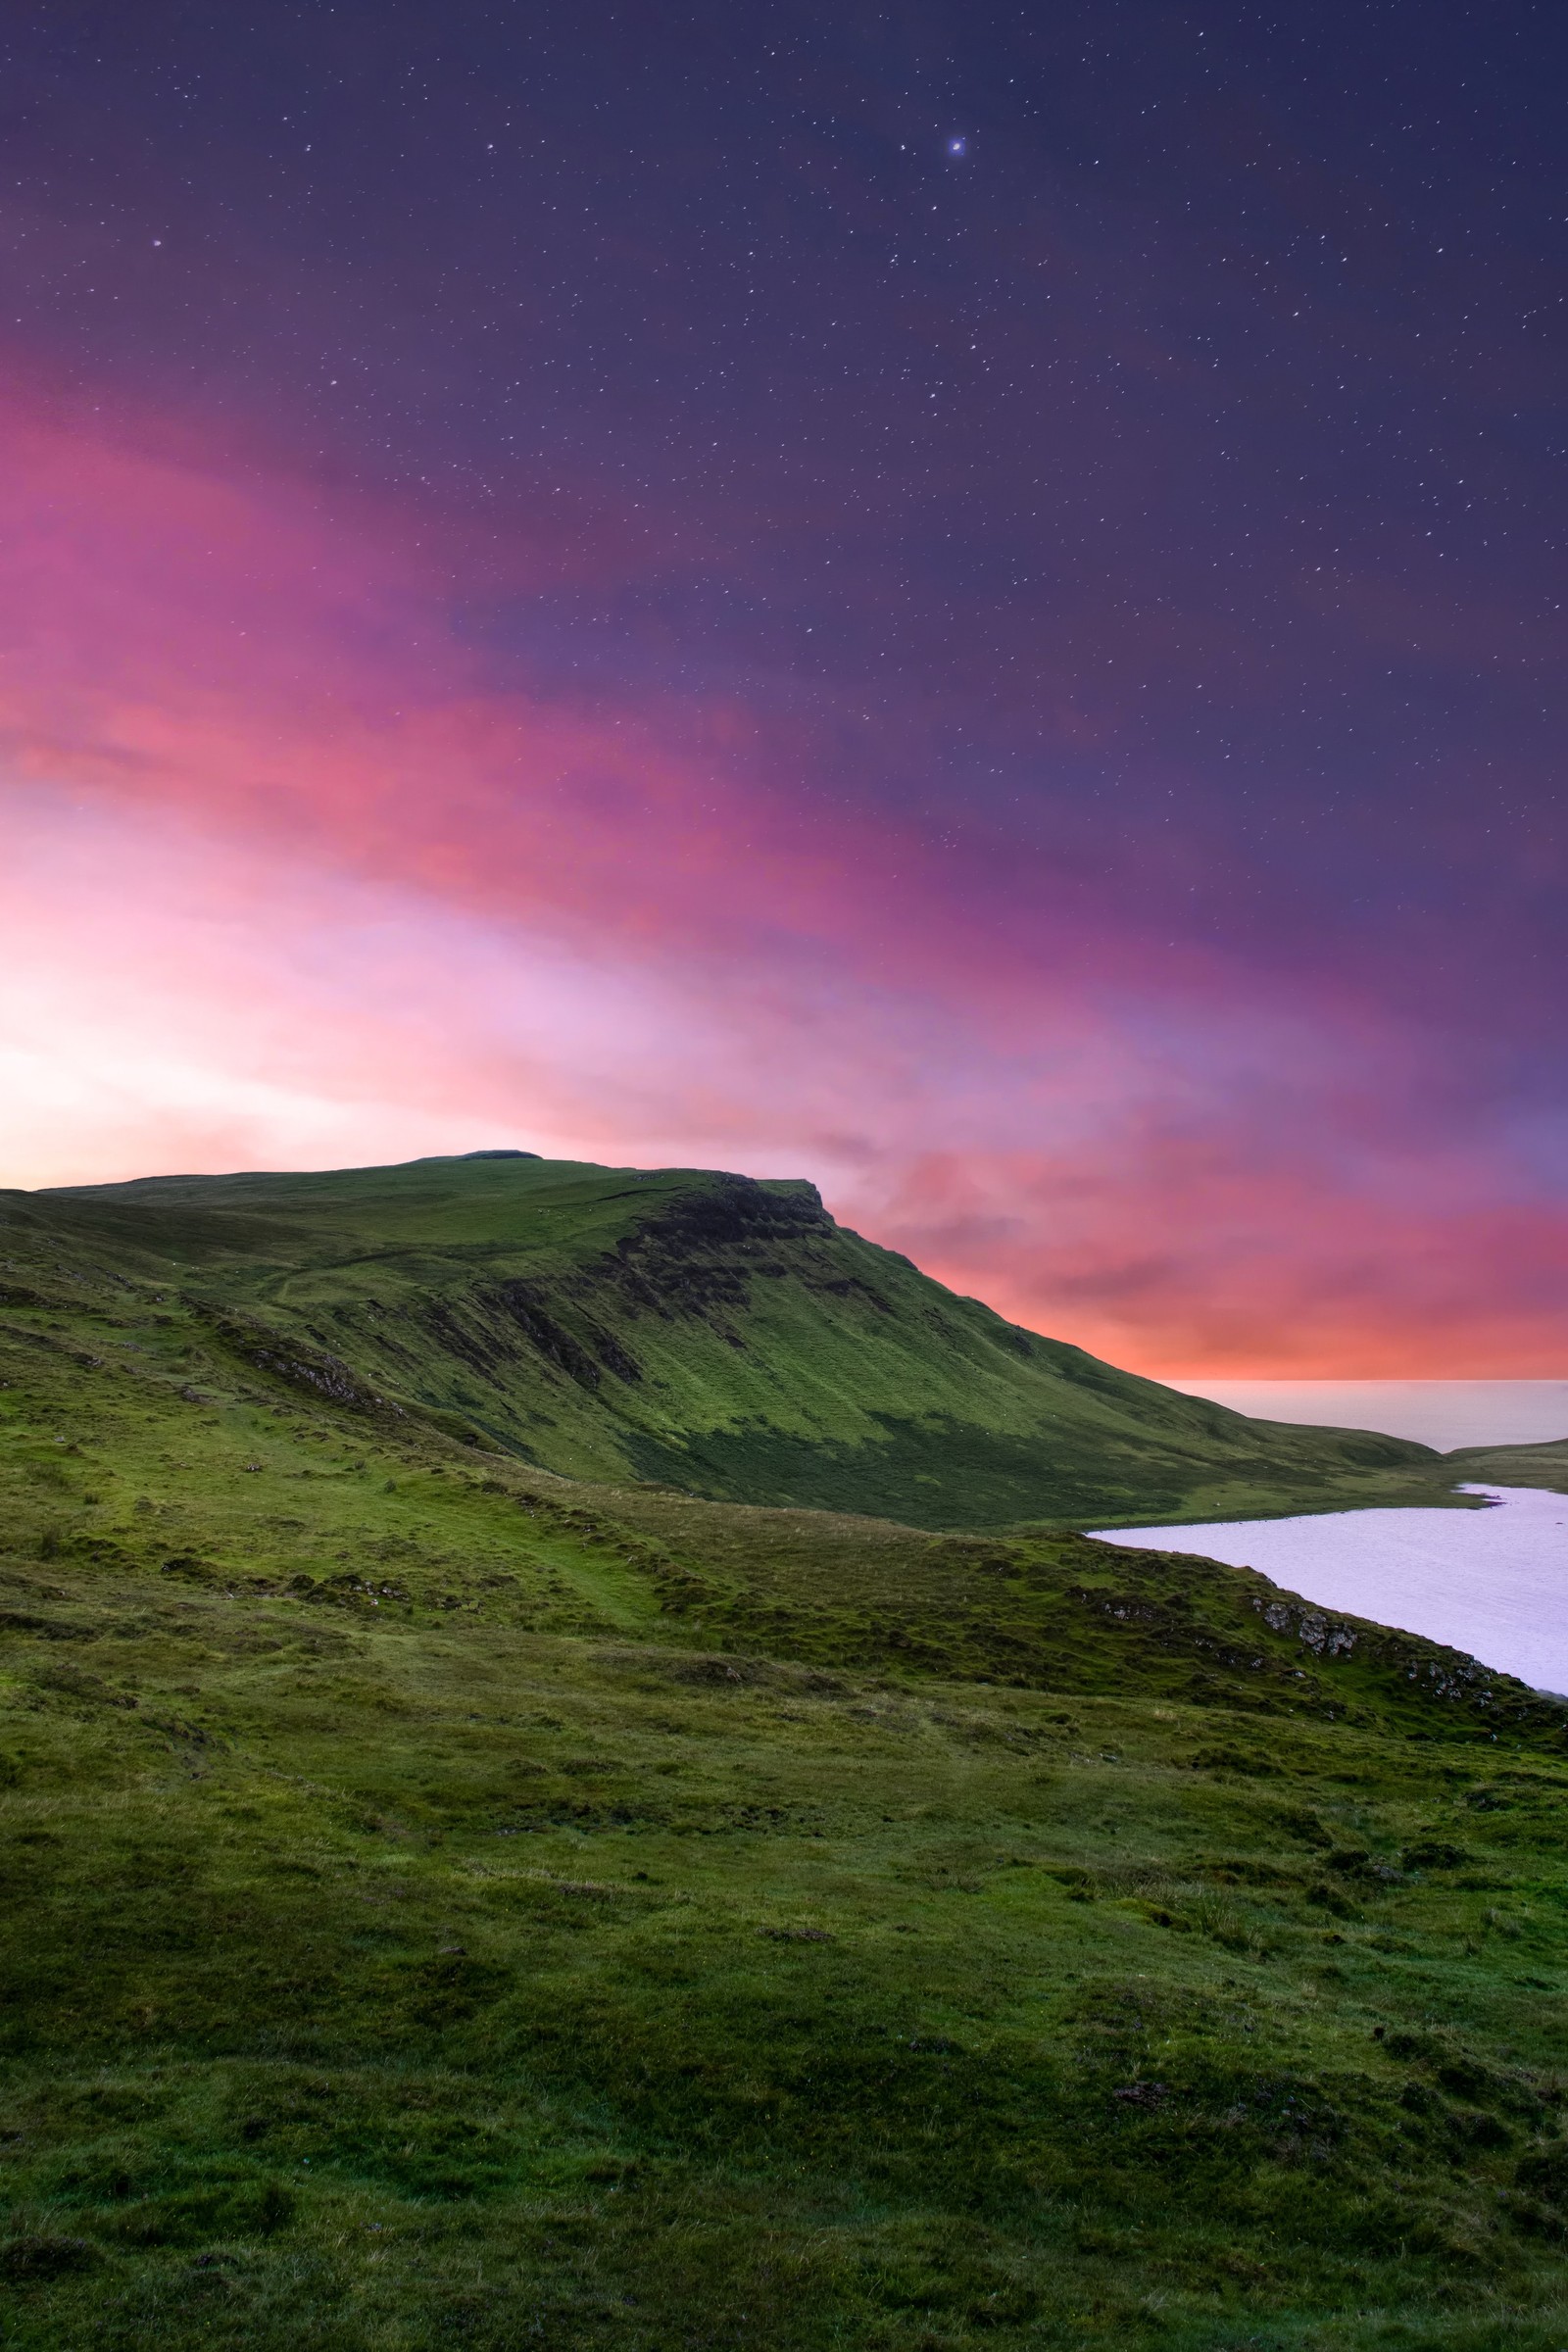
x=449 y=1905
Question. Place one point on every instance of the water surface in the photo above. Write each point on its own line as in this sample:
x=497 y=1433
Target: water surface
x=1444 y=1413
x=1490 y=1582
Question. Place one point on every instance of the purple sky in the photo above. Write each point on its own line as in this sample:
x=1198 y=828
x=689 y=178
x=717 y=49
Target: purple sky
x=963 y=601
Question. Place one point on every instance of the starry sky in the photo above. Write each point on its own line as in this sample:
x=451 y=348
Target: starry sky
x=962 y=601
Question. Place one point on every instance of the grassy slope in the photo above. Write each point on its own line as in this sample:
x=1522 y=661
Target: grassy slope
x=450 y=1905
x=704 y=1331
x=1512 y=1466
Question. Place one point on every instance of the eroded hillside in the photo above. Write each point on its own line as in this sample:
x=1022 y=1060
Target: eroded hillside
x=693 y=1329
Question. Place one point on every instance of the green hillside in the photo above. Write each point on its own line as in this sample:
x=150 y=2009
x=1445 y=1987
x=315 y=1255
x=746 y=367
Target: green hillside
x=1512 y=1465
x=445 y=1904
x=690 y=1329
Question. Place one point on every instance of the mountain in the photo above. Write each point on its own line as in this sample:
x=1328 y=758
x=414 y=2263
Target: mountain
x=448 y=1903
x=686 y=1328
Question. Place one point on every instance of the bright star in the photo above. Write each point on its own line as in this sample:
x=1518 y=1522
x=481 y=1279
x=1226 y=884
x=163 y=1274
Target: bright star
x=957 y=146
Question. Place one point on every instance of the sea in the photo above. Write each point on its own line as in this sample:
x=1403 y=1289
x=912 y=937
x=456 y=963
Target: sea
x=1490 y=1580
x=1444 y=1413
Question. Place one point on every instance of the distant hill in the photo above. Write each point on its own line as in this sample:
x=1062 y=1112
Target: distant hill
x=688 y=1328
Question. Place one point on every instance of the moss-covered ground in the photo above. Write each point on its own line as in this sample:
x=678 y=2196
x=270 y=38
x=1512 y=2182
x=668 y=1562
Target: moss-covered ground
x=448 y=1905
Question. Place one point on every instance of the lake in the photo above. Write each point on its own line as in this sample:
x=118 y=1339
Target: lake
x=1492 y=1582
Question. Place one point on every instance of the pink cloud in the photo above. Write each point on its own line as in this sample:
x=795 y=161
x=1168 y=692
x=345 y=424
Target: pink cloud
x=286 y=878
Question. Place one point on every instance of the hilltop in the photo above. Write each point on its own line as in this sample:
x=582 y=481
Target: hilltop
x=687 y=1328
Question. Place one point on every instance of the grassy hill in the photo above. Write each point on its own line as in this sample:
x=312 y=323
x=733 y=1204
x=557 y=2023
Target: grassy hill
x=696 y=1330
x=1512 y=1465
x=450 y=1905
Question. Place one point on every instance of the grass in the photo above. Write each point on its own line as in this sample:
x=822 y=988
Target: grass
x=699 y=1330
x=450 y=1904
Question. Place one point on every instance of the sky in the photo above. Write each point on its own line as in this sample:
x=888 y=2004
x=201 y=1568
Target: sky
x=965 y=602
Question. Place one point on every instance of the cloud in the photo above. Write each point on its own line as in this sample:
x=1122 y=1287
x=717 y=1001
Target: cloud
x=287 y=876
